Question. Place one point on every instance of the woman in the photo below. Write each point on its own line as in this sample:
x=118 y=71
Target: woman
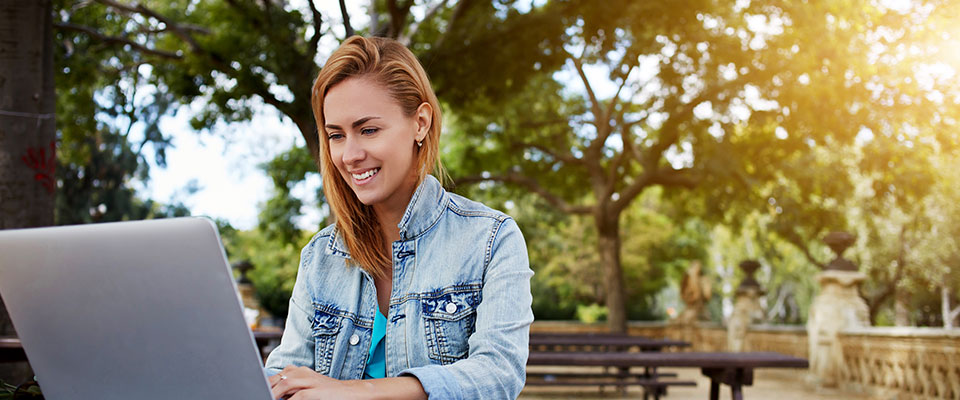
x=424 y=293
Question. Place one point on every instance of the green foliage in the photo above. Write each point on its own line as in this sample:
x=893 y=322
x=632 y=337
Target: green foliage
x=591 y=313
x=277 y=216
x=275 y=264
x=29 y=390
x=102 y=92
x=568 y=273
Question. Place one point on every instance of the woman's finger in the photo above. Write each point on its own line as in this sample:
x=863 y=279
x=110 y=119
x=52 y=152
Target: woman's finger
x=293 y=379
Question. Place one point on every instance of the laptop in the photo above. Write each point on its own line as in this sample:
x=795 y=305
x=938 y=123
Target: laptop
x=130 y=310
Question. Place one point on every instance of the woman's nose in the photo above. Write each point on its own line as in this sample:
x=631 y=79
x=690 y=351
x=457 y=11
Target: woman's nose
x=353 y=151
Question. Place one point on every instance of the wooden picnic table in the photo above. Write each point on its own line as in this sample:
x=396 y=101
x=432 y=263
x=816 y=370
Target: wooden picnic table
x=267 y=338
x=11 y=350
x=604 y=340
x=651 y=379
x=734 y=369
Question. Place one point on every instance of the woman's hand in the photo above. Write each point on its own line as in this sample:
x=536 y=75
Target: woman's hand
x=302 y=383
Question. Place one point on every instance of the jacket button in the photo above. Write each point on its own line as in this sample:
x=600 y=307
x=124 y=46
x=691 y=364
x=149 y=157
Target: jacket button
x=451 y=308
x=354 y=339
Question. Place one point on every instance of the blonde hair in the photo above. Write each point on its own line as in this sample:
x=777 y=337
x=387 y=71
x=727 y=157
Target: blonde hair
x=392 y=65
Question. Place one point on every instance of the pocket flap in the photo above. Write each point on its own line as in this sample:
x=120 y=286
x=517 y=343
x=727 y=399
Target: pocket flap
x=325 y=324
x=451 y=306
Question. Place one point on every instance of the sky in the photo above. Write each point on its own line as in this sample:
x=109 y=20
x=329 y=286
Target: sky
x=224 y=164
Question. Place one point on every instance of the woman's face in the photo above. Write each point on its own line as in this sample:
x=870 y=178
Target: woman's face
x=372 y=143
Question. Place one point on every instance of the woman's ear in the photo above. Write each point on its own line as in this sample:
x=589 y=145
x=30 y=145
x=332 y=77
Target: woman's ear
x=424 y=118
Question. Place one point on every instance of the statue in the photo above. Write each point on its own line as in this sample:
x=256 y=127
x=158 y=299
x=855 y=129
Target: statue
x=746 y=307
x=695 y=290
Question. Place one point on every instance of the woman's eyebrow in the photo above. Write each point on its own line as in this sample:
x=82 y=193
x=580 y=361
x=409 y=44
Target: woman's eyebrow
x=355 y=124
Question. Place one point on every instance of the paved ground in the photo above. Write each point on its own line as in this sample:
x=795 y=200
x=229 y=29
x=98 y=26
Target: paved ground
x=787 y=384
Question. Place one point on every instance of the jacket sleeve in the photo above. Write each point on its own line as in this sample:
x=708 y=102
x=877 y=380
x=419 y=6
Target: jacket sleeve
x=296 y=345
x=496 y=365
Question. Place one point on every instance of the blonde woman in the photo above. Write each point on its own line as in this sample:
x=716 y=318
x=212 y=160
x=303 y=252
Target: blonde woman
x=414 y=292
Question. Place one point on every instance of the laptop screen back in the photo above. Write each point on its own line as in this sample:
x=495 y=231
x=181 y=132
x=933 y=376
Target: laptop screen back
x=132 y=310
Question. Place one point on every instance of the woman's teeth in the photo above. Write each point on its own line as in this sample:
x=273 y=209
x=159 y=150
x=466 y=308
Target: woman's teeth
x=366 y=175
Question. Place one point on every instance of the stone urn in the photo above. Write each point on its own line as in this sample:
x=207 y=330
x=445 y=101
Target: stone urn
x=837 y=307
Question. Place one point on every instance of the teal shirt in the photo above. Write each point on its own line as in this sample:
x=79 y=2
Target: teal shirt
x=377 y=363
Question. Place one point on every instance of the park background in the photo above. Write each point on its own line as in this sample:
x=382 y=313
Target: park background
x=629 y=139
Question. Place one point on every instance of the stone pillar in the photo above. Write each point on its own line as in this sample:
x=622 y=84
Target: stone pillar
x=837 y=307
x=746 y=308
x=251 y=307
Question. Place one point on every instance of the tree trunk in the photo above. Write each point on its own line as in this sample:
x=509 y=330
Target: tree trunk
x=901 y=307
x=608 y=243
x=27 y=129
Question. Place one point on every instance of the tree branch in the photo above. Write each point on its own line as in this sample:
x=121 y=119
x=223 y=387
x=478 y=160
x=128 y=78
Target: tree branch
x=317 y=25
x=598 y=115
x=179 y=30
x=684 y=177
x=891 y=287
x=458 y=12
x=533 y=186
x=670 y=130
x=398 y=16
x=664 y=177
x=793 y=238
x=566 y=157
x=116 y=40
x=346 y=18
x=407 y=38
x=616 y=96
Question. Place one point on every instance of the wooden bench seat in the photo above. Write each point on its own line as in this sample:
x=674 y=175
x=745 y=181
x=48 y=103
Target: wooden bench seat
x=652 y=387
x=599 y=374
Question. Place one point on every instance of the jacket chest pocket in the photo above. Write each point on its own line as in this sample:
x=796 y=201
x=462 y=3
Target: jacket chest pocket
x=325 y=329
x=449 y=320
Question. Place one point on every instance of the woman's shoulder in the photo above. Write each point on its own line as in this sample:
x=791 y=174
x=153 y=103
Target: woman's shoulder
x=472 y=208
x=322 y=237
x=322 y=245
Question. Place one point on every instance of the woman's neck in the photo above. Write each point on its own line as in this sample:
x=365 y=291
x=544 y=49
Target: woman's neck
x=390 y=213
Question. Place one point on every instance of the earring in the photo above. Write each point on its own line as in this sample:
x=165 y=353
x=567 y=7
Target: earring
x=420 y=143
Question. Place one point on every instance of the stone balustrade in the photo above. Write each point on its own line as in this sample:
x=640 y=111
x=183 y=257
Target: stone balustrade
x=903 y=362
x=889 y=363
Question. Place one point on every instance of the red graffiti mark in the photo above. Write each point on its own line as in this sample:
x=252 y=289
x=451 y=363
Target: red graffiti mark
x=43 y=164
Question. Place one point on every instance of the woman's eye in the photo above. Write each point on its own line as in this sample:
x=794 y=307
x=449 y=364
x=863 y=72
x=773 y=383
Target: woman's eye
x=368 y=131
x=334 y=136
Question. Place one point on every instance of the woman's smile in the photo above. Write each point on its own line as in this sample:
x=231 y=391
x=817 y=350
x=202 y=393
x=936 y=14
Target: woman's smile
x=364 y=177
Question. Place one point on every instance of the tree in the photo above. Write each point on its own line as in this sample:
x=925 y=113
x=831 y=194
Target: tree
x=108 y=123
x=236 y=56
x=735 y=104
x=231 y=53
x=27 y=150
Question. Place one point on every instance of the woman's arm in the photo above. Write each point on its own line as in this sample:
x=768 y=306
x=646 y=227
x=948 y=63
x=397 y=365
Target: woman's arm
x=302 y=383
x=496 y=365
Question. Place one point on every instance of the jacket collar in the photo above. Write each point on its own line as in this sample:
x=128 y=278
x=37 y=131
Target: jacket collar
x=424 y=210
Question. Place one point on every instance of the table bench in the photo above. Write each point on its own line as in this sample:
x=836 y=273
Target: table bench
x=11 y=350
x=733 y=369
x=604 y=341
x=650 y=379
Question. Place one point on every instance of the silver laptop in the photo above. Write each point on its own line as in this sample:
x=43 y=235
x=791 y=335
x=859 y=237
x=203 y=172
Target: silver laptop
x=130 y=310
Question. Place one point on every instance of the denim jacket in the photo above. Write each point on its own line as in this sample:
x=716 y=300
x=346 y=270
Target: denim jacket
x=459 y=313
